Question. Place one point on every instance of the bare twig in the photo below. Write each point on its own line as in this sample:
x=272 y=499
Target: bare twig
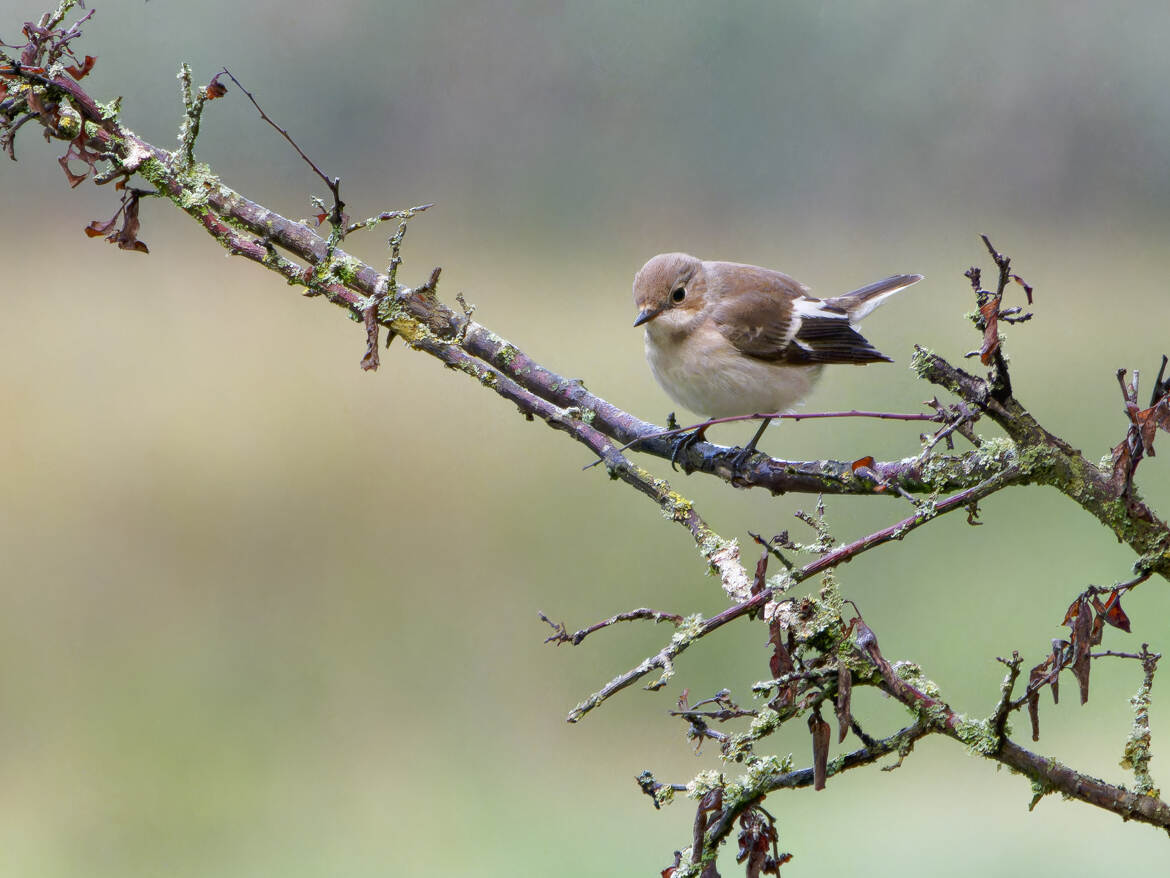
x=561 y=634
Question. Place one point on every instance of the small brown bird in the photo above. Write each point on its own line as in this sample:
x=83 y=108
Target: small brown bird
x=729 y=339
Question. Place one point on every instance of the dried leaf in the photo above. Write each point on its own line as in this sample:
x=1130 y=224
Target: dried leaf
x=820 y=746
x=1034 y=714
x=97 y=229
x=780 y=662
x=371 y=360
x=1081 y=644
x=215 y=88
x=1058 y=648
x=74 y=179
x=757 y=835
x=1113 y=614
x=989 y=310
x=1035 y=684
x=80 y=72
x=844 y=699
x=1149 y=421
x=127 y=237
x=1027 y=286
x=1098 y=630
x=77 y=149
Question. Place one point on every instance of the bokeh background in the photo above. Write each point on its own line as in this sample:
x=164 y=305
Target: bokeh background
x=264 y=614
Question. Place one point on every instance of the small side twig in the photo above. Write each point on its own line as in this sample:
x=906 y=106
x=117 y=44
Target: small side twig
x=561 y=633
x=336 y=217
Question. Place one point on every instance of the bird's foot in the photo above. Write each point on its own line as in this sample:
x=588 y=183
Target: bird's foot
x=683 y=443
x=740 y=456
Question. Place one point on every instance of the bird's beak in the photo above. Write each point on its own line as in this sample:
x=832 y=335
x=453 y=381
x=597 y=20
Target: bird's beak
x=647 y=315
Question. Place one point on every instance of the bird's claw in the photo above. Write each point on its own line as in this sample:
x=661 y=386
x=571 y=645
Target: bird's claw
x=683 y=443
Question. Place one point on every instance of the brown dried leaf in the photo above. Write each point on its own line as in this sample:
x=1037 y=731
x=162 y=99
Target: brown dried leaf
x=371 y=360
x=74 y=179
x=1122 y=461
x=990 y=313
x=1098 y=630
x=97 y=229
x=1027 y=286
x=820 y=746
x=780 y=663
x=1149 y=421
x=844 y=699
x=1058 y=652
x=127 y=237
x=1081 y=644
x=82 y=71
x=36 y=103
x=1035 y=683
x=761 y=573
x=215 y=88
x=1113 y=614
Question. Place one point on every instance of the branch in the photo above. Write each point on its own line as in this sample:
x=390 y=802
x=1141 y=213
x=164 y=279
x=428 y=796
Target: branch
x=250 y=230
x=1046 y=773
x=1049 y=460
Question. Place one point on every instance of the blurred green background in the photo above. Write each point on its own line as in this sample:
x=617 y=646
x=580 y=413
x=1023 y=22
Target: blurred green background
x=262 y=613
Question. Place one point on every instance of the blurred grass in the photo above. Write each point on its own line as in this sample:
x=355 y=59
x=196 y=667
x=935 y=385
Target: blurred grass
x=264 y=613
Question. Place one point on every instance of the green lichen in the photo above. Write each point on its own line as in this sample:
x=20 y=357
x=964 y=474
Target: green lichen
x=737 y=747
x=979 y=736
x=766 y=722
x=689 y=629
x=703 y=782
x=1039 y=791
x=506 y=354
x=664 y=795
x=345 y=268
x=68 y=121
x=920 y=361
x=912 y=674
x=1136 y=756
x=110 y=109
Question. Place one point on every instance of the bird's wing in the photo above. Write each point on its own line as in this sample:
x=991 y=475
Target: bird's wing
x=774 y=319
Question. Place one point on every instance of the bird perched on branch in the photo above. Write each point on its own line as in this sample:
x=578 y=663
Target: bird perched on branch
x=727 y=339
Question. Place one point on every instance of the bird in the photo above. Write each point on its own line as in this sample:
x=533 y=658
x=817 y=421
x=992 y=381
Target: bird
x=725 y=338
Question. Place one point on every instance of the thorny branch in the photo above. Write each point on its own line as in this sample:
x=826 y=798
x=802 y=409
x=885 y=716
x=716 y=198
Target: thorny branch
x=817 y=654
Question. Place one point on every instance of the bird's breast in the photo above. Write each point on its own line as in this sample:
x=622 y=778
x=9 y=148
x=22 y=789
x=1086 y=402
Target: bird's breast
x=704 y=372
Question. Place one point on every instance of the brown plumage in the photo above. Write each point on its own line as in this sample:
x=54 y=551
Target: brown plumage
x=724 y=338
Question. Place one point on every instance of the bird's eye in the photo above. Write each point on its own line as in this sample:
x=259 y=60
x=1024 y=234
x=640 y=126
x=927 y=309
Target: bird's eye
x=678 y=295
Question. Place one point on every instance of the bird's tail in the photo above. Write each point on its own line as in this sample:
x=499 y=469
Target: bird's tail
x=861 y=301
